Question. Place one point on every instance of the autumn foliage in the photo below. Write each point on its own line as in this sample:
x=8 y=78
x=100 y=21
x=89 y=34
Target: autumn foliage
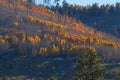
x=38 y=30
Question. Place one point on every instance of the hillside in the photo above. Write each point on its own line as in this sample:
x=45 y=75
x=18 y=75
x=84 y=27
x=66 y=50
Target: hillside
x=39 y=44
x=36 y=30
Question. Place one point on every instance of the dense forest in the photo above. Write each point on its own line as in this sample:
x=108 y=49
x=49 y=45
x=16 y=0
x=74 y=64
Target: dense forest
x=103 y=18
x=53 y=42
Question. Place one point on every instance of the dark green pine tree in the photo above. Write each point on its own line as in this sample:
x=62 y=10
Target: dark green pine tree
x=89 y=66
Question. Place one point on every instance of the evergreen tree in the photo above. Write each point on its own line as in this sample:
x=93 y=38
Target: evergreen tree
x=90 y=66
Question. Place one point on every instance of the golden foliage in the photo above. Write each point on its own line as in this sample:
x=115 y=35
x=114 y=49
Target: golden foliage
x=34 y=39
x=31 y=39
x=22 y=36
x=6 y=37
x=53 y=49
x=15 y=24
x=21 y=0
x=37 y=39
x=60 y=41
x=31 y=19
x=15 y=39
x=51 y=38
x=74 y=49
x=2 y=41
x=43 y=51
x=88 y=48
x=90 y=40
x=45 y=22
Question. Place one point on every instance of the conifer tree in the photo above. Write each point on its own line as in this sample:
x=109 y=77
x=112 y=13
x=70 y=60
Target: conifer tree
x=90 y=66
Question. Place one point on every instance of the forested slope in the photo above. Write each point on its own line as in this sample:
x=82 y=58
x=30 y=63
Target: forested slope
x=29 y=29
x=103 y=18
